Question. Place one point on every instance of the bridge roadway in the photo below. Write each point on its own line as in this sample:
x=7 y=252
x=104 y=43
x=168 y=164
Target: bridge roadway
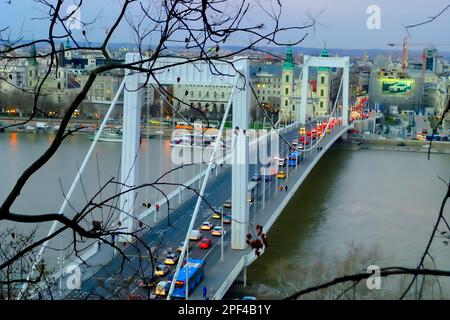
x=219 y=275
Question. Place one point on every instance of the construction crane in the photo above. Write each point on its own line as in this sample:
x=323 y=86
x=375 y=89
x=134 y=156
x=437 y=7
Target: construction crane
x=405 y=45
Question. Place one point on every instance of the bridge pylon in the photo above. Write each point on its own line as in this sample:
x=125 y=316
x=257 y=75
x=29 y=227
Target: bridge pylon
x=240 y=158
x=325 y=62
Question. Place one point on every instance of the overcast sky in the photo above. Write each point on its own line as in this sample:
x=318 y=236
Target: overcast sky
x=342 y=23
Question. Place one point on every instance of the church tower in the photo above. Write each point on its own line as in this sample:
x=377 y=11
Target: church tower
x=287 y=108
x=68 y=52
x=33 y=67
x=323 y=88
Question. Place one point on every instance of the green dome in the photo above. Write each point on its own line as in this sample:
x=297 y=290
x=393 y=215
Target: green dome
x=33 y=54
x=288 y=61
x=324 y=53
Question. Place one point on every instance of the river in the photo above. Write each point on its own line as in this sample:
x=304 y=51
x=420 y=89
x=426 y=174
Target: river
x=356 y=208
x=44 y=192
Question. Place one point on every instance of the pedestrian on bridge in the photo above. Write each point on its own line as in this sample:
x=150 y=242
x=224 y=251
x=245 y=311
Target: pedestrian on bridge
x=285 y=188
x=205 y=292
x=157 y=207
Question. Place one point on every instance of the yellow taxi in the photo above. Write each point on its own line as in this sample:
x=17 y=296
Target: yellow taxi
x=162 y=288
x=206 y=225
x=216 y=215
x=171 y=259
x=217 y=231
x=161 y=270
x=281 y=175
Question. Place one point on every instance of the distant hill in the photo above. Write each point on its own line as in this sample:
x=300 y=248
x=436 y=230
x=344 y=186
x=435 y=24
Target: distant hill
x=372 y=53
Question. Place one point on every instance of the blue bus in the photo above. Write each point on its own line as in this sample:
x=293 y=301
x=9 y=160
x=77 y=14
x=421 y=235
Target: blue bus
x=294 y=158
x=195 y=273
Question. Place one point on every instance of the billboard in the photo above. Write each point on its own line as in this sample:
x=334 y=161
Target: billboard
x=397 y=86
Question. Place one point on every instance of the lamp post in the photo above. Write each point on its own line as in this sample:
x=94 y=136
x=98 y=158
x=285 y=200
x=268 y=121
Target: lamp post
x=186 y=273
x=222 y=237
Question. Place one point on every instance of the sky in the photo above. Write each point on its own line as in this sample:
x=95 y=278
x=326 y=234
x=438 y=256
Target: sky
x=340 y=23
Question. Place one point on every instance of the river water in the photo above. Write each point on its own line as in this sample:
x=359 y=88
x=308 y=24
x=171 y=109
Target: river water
x=355 y=209
x=44 y=193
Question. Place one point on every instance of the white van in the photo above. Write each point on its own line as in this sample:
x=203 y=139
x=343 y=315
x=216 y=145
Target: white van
x=195 y=235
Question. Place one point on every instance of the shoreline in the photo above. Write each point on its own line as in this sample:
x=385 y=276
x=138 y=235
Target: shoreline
x=437 y=147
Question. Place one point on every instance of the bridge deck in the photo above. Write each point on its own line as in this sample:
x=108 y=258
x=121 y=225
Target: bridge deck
x=219 y=275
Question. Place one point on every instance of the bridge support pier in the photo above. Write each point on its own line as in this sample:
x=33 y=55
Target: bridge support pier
x=240 y=158
x=242 y=277
x=130 y=148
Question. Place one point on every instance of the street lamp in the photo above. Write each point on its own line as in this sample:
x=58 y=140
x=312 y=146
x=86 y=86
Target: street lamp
x=222 y=235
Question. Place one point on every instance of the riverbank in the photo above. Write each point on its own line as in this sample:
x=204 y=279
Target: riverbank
x=89 y=126
x=437 y=147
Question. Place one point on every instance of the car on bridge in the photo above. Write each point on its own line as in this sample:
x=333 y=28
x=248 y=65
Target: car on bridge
x=180 y=247
x=216 y=215
x=227 y=204
x=205 y=243
x=161 y=270
x=195 y=235
x=216 y=231
x=281 y=175
x=148 y=282
x=206 y=225
x=171 y=259
x=256 y=177
x=162 y=288
x=226 y=219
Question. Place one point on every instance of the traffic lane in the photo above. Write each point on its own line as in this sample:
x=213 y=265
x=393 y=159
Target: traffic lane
x=214 y=254
x=150 y=237
x=195 y=252
x=175 y=236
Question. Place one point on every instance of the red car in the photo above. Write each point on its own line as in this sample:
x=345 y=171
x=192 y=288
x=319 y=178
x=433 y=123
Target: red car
x=302 y=139
x=205 y=243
